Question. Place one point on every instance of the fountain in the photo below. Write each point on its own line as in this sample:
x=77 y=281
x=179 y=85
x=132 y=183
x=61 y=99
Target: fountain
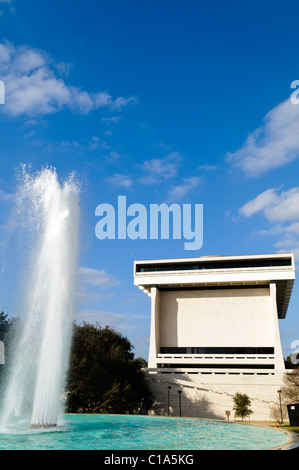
x=32 y=399
x=50 y=213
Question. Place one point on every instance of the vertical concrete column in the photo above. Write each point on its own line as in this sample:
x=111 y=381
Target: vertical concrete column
x=279 y=361
x=154 y=347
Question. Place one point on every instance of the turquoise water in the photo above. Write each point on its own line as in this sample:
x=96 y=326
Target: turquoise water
x=122 y=432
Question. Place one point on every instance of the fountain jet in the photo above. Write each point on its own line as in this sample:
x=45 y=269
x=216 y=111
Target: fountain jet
x=51 y=213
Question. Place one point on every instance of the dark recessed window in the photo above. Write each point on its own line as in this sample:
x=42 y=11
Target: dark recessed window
x=216 y=350
x=225 y=264
x=216 y=366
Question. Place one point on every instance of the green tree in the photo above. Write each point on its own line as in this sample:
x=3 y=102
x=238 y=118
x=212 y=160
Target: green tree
x=242 y=403
x=290 y=390
x=4 y=326
x=290 y=394
x=104 y=376
x=8 y=327
x=292 y=361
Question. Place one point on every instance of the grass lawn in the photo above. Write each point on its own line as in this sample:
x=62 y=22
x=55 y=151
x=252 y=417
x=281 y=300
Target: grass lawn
x=287 y=427
x=271 y=424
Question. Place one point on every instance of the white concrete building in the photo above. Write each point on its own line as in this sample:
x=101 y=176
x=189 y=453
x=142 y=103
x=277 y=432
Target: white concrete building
x=215 y=331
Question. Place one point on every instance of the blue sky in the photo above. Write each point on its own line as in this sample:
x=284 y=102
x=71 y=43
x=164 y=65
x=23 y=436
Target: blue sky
x=184 y=101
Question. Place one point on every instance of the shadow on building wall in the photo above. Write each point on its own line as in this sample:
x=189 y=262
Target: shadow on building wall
x=189 y=403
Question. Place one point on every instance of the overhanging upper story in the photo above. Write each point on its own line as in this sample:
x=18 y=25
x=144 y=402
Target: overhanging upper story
x=220 y=272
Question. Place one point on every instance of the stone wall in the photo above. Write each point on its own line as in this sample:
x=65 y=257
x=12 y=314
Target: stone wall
x=211 y=395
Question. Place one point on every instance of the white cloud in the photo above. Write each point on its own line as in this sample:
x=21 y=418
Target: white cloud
x=259 y=203
x=92 y=285
x=124 y=323
x=33 y=85
x=272 y=145
x=282 y=212
x=120 y=102
x=160 y=169
x=4 y=55
x=102 y=317
x=96 y=277
x=88 y=145
x=119 y=180
x=28 y=60
x=276 y=207
x=293 y=228
x=178 y=192
x=4 y=196
x=207 y=167
x=113 y=155
x=111 y=119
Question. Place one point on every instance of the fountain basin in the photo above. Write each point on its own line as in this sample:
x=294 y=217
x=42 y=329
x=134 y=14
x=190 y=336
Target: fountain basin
x=124 y=432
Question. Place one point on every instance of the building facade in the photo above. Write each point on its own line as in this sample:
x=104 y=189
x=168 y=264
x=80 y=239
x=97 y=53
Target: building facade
x=215 y=331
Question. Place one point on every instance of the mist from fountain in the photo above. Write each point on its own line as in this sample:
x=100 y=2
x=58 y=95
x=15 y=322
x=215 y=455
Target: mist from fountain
x=49 y=210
